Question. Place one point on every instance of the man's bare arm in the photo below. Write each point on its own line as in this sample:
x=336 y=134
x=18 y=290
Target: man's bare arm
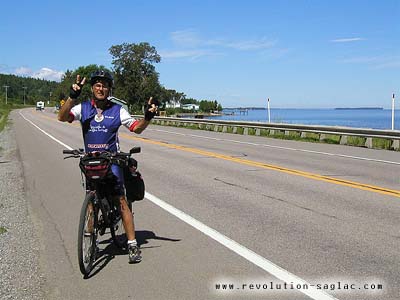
x=63 y=113
x=140 y=126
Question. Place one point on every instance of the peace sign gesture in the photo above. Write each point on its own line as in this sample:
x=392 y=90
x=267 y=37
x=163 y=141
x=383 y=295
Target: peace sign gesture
x=151 y=109
x=76 y=88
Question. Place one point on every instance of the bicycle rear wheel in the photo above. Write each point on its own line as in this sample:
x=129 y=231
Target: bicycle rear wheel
x=87 y=235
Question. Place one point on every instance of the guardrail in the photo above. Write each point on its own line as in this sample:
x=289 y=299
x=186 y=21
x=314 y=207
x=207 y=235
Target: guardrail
x=364 y=137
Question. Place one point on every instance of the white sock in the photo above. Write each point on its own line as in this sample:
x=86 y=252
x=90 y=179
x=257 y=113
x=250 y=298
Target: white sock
x=132 y=242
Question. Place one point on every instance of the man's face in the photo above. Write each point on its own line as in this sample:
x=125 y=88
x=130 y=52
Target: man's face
x=101 y=90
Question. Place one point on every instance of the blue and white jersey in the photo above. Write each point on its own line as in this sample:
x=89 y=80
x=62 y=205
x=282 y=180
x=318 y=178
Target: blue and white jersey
x=100 y=131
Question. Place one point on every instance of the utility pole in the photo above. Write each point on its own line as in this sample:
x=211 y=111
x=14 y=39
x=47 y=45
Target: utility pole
x=269 y=113
x=393 y=111
x=6 y=86
x=24 y=87
x=48 y=103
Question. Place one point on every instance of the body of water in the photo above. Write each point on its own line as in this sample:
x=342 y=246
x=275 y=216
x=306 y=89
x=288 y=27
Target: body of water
x=359 y=118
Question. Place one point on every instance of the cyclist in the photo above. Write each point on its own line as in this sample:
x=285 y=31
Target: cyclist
x=100 y=120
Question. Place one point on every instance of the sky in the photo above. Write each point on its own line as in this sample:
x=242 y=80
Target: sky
x=298 y=53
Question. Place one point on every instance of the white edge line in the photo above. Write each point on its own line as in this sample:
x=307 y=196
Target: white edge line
x=49 y=135
x=246 y=253
x=251 y=256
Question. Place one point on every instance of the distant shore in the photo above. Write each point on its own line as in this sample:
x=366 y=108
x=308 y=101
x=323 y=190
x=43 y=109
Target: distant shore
x=336 y=108
x=359 y=108
x=197 y=115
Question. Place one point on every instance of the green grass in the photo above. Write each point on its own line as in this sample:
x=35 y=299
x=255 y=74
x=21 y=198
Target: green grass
x=356 y=141
x=311 y=137
x=381 y=143
x=2 y=230
x=264 y=132
x=3 y=117
x=229 y=129
x=240 y=130
x=193 y=126
x=331 y=139
x=252 y=131
x=5 y=111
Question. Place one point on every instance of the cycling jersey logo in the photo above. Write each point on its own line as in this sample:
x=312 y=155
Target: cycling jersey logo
x=98 y=146
x=99 y=118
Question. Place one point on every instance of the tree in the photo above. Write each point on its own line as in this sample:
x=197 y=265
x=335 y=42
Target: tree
x=209 y=106
x=32 y=89
x=135 y=75
x=69 y=78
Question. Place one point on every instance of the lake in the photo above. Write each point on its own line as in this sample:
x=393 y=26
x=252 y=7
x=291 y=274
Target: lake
x=359 y=118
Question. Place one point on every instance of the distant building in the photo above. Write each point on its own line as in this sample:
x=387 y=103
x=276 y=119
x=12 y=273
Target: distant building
x=173 y=104
x=190 y=106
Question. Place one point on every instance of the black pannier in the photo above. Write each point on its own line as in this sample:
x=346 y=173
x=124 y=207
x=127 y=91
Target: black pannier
x=134 y=184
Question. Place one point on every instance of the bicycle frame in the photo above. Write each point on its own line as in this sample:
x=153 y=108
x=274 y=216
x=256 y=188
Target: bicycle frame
x=98 y=199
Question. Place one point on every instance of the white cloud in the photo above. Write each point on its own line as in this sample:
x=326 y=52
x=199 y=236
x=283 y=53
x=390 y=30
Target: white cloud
x=248 y=45
x=23 y=71
x=190 y=45
x=43 y=73
x=347 y=40
x=190 y=38
x=191 y=54
x=48 y=74
x=186 y=38
x=376 y=62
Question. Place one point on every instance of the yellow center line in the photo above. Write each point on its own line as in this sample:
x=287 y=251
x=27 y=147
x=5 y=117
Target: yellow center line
x=353 y=184
x=348 y=183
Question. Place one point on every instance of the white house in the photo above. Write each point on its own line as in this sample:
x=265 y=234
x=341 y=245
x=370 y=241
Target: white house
x=190 y=106
x=173 y=104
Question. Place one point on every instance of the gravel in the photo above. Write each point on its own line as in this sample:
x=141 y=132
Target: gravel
x=20 y=274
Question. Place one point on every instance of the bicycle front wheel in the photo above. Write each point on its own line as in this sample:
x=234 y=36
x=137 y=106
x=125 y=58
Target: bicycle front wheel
x=87 y=235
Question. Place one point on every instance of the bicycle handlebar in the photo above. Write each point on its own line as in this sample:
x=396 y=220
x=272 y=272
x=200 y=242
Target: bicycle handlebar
x=76 y=153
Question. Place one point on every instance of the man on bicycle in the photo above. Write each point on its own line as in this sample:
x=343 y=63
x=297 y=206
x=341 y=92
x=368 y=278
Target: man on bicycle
x=100 y=120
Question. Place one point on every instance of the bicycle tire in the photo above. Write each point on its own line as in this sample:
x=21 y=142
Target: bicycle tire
x=87 y=236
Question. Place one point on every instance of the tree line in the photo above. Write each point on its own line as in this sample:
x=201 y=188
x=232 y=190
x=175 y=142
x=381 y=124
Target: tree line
x=135 y=80
x=26 y=90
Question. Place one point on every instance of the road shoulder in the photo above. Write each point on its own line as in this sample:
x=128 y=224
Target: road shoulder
x=20 y=274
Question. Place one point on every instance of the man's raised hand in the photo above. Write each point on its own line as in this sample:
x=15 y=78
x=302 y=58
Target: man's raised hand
x=76 y=88
x=150 y=109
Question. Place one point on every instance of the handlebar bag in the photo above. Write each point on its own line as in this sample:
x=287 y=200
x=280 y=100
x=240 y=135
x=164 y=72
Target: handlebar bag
x=95 y=168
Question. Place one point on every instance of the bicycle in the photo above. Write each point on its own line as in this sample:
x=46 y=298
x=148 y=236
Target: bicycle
x=99 y=211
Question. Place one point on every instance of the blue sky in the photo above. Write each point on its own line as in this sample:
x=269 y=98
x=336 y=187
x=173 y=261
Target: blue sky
x=300 y=54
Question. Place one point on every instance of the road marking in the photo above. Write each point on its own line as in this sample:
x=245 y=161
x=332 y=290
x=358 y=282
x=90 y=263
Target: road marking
x=353 y=184
x=49 y=135
x=267 y=146
x=232 y=245
x=239 y=249
x=348 y=183
x=280 y=147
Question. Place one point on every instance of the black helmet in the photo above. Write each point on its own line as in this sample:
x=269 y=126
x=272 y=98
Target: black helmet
x=101 y=74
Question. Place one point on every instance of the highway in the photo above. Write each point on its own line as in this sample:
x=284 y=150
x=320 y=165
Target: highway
x=222 y=209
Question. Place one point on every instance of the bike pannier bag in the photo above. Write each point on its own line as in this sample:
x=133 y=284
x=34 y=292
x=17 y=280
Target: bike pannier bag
x=134 y=185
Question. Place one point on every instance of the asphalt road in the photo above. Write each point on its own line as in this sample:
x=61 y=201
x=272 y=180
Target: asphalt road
x=222 y=208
